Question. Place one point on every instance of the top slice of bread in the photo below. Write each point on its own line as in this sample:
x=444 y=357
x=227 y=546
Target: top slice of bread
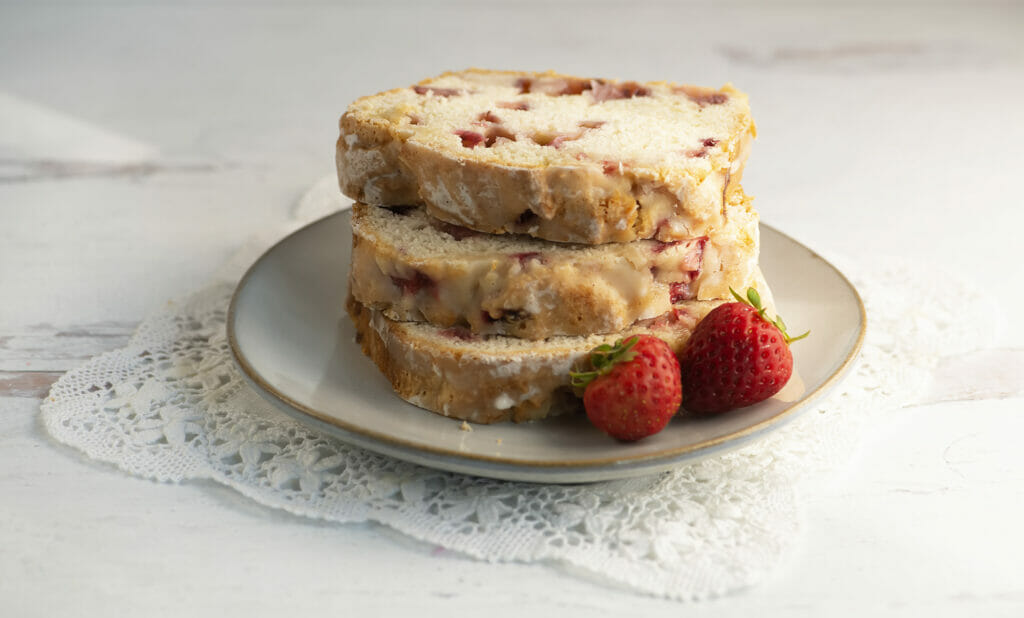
x=552 y=156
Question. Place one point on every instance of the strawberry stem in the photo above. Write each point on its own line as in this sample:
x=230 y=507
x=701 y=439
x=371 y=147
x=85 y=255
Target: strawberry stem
x=602 y=359
x=754 y=300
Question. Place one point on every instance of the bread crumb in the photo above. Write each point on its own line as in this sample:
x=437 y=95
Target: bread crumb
x=498 y=440
x=465 y=426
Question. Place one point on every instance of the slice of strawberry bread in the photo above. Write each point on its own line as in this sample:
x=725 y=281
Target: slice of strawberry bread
x=417 y=268
x=552 y=156
x=489 y=379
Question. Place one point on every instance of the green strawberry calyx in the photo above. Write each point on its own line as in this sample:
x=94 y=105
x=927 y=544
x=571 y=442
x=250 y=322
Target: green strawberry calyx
x=603 y=359
x=754 y=300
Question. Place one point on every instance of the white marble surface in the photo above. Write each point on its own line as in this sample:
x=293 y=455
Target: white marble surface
x=141 y=144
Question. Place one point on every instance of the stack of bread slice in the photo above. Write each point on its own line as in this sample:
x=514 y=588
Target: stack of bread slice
x=507 y=223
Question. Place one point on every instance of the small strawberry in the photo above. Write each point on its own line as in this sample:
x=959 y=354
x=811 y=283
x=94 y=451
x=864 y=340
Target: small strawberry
x=633 y=390
x=736 y=357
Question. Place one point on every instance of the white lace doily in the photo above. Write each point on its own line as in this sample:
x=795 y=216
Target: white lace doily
x=171 y=406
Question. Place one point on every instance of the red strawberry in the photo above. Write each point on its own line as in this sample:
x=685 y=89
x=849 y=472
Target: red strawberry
x=633 y=390
x=736 y=357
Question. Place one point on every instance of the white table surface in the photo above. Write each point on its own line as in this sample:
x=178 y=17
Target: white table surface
x=140 y=145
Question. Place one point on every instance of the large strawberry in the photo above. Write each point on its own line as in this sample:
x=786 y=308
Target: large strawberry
x=632 y=390
x=736 y=357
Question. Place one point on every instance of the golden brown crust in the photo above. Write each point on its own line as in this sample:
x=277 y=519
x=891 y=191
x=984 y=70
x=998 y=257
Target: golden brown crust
x=368 y=167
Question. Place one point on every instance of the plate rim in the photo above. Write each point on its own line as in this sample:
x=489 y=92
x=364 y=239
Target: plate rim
x=367 y=438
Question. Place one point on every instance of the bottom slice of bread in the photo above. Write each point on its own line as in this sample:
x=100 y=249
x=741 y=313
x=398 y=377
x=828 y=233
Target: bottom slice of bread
x=488 y=379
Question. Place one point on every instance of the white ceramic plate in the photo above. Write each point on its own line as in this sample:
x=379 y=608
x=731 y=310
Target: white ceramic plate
x=293 y=341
